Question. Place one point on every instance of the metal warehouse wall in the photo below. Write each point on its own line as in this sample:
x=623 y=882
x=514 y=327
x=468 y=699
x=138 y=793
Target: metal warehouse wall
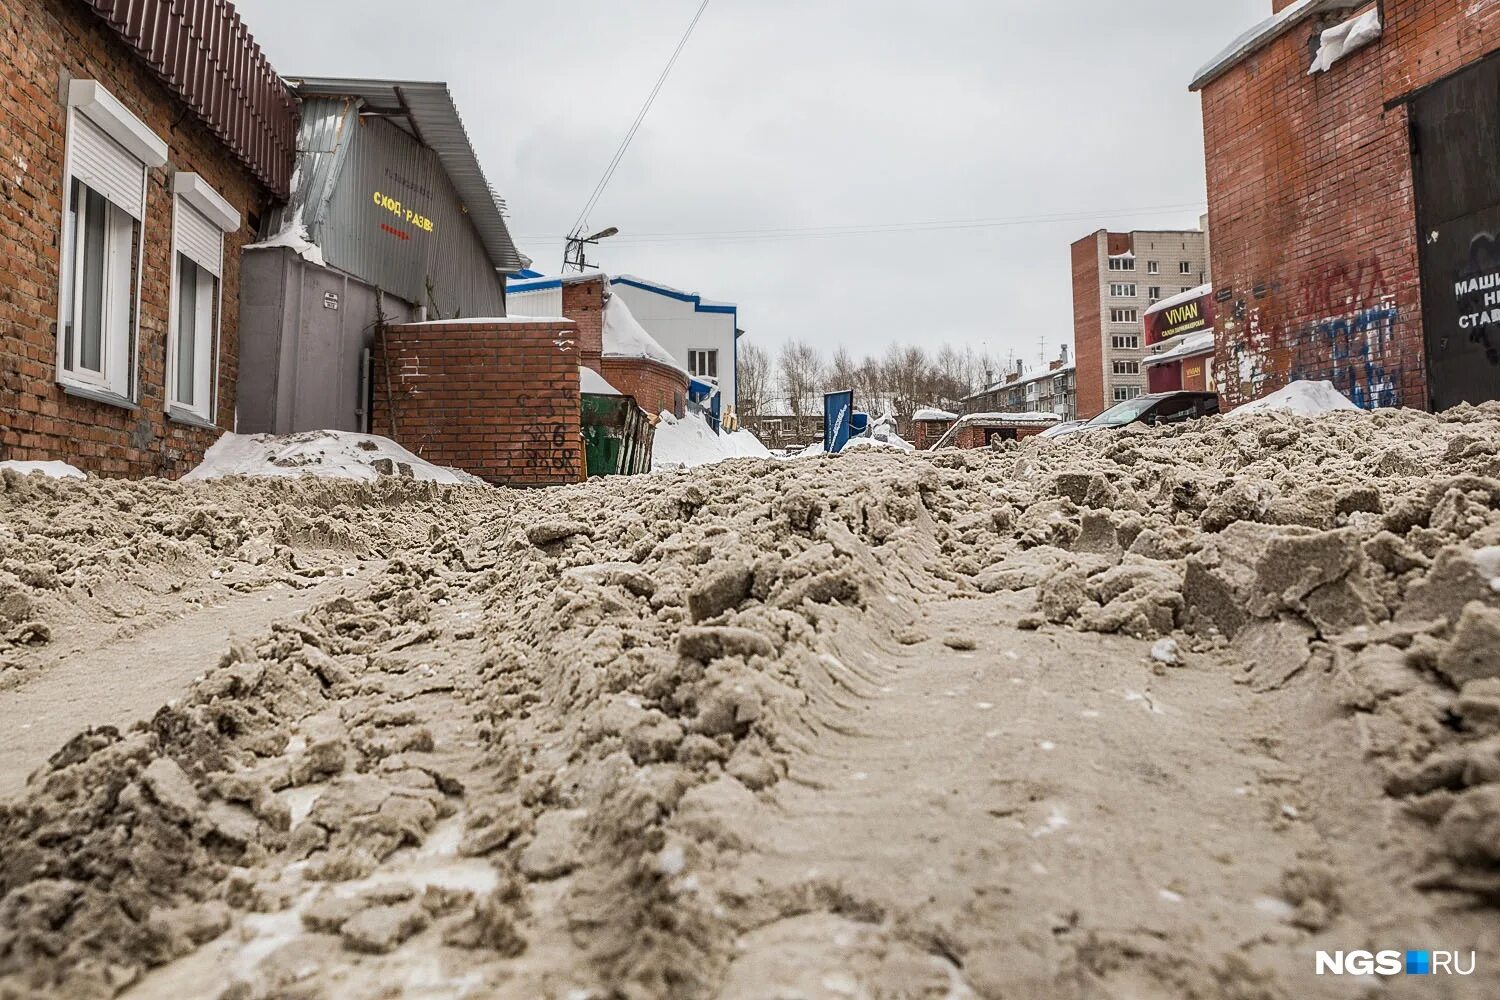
x=392 y=249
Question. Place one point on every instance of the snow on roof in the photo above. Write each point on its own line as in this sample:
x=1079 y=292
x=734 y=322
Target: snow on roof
x=591 y=383
x=624 y=337
x=699 y=302
x=1261 y=35
x=1302 y=399
x=934 y=414
x=324 y=454
x=1179 y=299
x=1192 y=345
x=490 y=320
x=1009 y=418
x=545 y=282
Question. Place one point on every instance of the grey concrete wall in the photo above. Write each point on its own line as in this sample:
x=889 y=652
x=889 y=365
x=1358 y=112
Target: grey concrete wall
x=303 y=331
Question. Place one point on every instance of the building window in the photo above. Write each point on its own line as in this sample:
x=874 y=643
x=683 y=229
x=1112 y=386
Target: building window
x=1154 y=293
x=703 y=363
x=1131 y=342
x=1125 y=393
x=1186 y=267
x=1031 y=391
x=199 y=221
x=104 y=202
x=1127 y=367
x=1122 y=263
x=1153 y=267
x=1122 y=291
x=1124 y=316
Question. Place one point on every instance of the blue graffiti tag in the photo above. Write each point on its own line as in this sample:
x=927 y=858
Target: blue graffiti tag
x=1358 y=345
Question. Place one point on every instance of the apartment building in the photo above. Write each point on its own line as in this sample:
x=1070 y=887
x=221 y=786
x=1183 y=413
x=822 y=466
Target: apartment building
x=1116 y=278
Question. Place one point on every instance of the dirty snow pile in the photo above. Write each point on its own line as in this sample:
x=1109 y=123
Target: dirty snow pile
x=329 y=454
x=690 y=442
x=541 y=748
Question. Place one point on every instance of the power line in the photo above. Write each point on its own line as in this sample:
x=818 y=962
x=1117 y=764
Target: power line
x=870 y=229
x=614 y=164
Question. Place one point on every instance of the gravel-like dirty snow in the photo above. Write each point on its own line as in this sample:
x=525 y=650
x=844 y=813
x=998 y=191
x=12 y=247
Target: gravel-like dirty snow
x=1147 y=714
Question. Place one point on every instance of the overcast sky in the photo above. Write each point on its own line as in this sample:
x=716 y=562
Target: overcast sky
x=803 y=114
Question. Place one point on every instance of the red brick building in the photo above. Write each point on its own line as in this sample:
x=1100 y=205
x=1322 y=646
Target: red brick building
x=1354 y=200
x=137 y=162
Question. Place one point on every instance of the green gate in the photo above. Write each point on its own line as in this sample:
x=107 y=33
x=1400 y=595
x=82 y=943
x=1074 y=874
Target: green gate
x=617 y=436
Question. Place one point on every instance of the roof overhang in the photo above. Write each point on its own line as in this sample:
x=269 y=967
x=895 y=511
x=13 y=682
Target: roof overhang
x=428 y=113
x=1264 y=34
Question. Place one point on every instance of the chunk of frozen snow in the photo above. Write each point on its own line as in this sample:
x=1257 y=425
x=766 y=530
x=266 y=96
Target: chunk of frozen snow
x=1488 y=561
x=1166 y=651
x=1342 y=39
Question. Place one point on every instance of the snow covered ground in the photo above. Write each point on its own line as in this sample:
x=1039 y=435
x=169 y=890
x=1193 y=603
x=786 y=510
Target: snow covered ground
x=690 y=442
x=329 y=454
x=1303 y=399
x=56 y=470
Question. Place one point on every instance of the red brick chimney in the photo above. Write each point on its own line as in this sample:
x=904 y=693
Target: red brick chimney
x=583 y=303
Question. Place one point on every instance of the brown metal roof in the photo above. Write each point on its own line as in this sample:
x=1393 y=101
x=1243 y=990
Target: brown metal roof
x=204 y=54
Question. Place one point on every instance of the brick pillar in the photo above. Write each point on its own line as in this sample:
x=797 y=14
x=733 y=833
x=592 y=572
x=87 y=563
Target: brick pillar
x=583 y=303
x=495 y=397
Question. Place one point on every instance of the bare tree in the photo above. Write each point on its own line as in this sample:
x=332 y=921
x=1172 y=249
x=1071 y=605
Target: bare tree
x=753 y=383
x=801 y=376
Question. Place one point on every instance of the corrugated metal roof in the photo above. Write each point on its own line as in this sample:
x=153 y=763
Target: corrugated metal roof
x=205 y=55
x=427 y=112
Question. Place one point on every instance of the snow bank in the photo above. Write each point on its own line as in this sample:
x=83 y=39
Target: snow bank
x=1302 y=399
x=624 y=337
x=55 y=470
x=327 y=454
x=1344 y=39
x=690 y=442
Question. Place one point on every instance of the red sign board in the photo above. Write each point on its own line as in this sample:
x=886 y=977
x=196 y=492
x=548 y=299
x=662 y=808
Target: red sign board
x=1181 y=315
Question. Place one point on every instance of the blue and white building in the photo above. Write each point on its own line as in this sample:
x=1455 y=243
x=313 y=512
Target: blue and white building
x=702 y=335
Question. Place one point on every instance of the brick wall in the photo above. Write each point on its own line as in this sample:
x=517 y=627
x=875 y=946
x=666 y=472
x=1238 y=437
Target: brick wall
x=655 y=386
x=979 y=437
x=1312 y=210
x=496 y=398
x=583 y=303
x=1088 y=326
x=926 y=433
x=41 y=43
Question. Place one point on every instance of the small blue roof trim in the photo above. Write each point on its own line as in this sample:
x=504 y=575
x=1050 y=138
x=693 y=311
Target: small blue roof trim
x=527 y=273
x=533 y=286
x=671 y=293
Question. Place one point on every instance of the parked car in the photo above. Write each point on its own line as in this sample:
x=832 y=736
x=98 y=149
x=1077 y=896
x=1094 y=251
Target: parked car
x=1153 y=410
x=1063 y=429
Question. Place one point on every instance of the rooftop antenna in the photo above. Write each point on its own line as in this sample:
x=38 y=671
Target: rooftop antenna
x=574 y=256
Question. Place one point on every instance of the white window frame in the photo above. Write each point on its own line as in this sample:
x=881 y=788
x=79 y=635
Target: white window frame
x=1125 y=342
x=1127 y=367
x=1186 y=267
x=135 y=145
x=195 y=204
x=1153 y=267
x=1124 y=315
x=697 y=353
x=1125 y=393
x=1122 y=263
x=1122 y=291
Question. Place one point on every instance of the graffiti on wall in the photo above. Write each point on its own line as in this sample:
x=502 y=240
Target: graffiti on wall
x=1337 y=323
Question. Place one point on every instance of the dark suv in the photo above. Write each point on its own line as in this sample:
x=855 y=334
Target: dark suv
x=1156 y=409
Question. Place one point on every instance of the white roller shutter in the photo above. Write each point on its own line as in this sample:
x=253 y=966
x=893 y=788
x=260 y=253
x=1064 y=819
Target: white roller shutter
x=198 y=239
x=108 y=167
